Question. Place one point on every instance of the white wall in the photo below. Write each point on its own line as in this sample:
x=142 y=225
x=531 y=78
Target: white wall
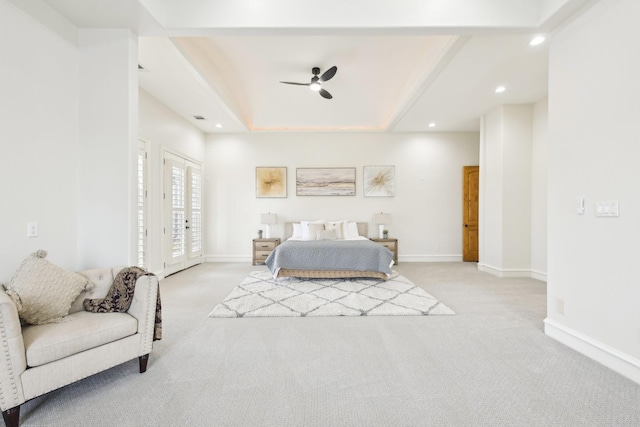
x=516 y=220
x=68 y=133
x=505 y=191
x=491 y=191
x=107 y=147
x=38 y=140
x=540 y=136
x=426 y=211
x=163 y=129
x=593 y=152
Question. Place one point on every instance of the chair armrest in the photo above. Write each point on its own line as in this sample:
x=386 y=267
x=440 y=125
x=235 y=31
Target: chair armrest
x=13 y=359
x=143 y=308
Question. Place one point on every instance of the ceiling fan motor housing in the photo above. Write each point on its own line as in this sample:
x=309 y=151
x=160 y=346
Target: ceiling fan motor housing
x=317 y=80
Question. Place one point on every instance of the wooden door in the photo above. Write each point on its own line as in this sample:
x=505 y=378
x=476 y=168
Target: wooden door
x=470 y=213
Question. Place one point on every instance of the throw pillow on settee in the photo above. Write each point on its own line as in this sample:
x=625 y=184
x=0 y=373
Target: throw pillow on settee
x=42 y=291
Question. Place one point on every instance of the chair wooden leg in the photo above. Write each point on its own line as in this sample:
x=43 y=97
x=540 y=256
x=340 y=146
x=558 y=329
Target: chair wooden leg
x=11 y=416
x=143 y=362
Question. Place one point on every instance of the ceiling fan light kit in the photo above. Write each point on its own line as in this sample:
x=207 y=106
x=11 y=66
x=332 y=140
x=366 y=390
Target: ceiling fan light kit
x=316 y=82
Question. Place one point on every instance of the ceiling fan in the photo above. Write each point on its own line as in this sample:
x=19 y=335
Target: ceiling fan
x=316 y=82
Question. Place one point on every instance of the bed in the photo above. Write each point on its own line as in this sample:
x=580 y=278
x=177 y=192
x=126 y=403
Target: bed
x=329 y=250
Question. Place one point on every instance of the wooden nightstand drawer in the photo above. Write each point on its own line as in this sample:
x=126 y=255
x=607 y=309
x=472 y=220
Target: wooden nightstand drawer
x=389 y=245
x=262 y=255
x=262 y=248
x=265 y=246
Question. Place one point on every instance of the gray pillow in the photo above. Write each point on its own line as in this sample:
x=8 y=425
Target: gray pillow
x=326 y=235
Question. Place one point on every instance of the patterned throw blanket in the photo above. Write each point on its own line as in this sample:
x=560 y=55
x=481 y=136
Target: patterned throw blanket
x=120 y=295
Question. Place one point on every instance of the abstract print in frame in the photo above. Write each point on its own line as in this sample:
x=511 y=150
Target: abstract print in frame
x=326 y=182
x=271 y=181
x=379 y=181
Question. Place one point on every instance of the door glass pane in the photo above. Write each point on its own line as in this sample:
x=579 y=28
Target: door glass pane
x=141 y=223
x=196 y=211
x=178 y=223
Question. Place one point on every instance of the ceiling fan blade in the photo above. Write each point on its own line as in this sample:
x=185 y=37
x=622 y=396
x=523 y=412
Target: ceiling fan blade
x=325 y=94
x=327 y=75
x=294 y=83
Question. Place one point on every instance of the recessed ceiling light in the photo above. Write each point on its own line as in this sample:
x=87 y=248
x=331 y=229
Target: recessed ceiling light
x=432 y=125
x=218 y=125
x=500 y=89
x=537 y=40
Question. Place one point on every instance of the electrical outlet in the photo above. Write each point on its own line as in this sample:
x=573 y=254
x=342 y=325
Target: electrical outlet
x=560 y=305
x=32 y=229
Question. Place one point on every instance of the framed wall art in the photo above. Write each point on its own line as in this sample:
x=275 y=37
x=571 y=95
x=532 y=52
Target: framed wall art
x=326 y=182
x=379 y=181
x=271 y=181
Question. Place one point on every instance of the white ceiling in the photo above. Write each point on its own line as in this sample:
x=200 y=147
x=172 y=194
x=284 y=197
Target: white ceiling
x=401 y=65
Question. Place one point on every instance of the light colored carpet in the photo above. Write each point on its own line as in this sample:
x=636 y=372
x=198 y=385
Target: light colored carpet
x=260 y=295
x=489 y=365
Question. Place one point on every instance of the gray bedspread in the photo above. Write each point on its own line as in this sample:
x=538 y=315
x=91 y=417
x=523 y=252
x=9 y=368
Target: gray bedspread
x=347 y=255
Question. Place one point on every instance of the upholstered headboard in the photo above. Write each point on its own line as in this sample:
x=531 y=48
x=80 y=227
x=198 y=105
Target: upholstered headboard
x=363 y=229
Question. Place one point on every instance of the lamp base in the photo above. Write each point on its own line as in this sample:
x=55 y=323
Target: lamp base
x=381 y=231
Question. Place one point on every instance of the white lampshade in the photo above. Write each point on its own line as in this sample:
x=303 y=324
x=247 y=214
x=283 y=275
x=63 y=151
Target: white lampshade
x=382 y=218
x=269 y=218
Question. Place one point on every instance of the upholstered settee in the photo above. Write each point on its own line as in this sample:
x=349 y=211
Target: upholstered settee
x=36 y=359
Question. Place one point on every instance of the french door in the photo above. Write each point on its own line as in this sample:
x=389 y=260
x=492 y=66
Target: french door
x=182 y=198
x=141 y=212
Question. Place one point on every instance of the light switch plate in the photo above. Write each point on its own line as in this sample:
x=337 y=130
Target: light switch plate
x=608 y=209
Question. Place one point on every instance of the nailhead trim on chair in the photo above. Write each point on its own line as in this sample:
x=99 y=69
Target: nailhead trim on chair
x=148 y=339
x=7 y=357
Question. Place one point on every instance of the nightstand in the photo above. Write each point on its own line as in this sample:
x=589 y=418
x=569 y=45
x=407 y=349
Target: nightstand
x=391 y=244
x=262 y=248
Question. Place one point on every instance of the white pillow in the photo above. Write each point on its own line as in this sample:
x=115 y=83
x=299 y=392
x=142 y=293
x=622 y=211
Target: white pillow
x=297 y=230
x=313 y=229
x=338 y=226
x=305 y=228
x=326 y=235
x=44 y=292
x=352 y=230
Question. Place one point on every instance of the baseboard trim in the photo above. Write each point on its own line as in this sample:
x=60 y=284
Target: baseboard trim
x=227 y=258
x=539 y=276
x=502 y=272
x=430 y=258
x=613 y=359
x=506 y=273
x=405 y=258
x=411 y=258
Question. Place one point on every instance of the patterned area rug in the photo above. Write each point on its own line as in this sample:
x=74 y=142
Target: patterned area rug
x=260 y=295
